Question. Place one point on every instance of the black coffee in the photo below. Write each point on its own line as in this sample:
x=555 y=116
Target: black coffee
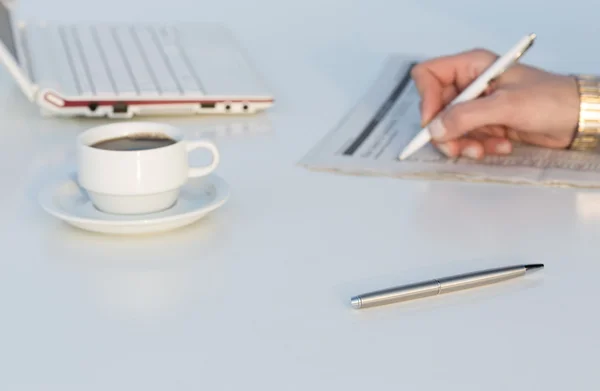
x=135 y=143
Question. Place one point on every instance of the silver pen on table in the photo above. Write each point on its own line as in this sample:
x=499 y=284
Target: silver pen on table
x=439 y=286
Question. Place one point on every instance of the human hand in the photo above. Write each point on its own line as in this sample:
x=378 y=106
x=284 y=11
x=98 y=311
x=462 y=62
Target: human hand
x=524 y=104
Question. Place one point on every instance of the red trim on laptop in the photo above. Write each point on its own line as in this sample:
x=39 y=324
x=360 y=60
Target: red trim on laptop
x=100 y=102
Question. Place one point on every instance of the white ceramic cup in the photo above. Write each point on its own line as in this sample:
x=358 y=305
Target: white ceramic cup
x=137 y=182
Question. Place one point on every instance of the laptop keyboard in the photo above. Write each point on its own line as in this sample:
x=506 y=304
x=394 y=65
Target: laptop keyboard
x=113 y=60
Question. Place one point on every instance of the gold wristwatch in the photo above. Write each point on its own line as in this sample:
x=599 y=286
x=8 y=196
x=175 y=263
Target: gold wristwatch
x=587 y=136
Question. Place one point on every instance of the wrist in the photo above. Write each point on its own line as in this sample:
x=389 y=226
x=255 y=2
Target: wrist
x=587 y=134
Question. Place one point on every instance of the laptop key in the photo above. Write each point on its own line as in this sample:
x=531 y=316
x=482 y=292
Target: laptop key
x=219 y=61
x=167 y=40
x=74 y=55
x=115 y=61
x=93 y=61
x=56 y=67
x=156 y=61
x=132 y=54
x=42 y=59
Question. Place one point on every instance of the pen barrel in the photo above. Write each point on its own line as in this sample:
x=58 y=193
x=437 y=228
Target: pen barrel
x=437 y=286
x=395 y=295
x=474 y=280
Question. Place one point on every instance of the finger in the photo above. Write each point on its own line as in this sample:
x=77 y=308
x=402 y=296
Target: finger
x=435 y=95
x=497 y=146
x=431 y=107
x=489 y=131
x=460 y=69
x=443 y=77
x=450 y=149
x=471 y=148
x=493 y=139
x=466 y=147
x=462 y=118
x=476 y=148
x=431 y=92
x=449 y=94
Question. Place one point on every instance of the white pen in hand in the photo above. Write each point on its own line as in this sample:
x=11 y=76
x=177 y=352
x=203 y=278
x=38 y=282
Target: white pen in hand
x=475 y=89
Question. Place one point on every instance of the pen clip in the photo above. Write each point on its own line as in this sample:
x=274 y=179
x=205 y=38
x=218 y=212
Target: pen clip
x=516 y=58
x=526 y=48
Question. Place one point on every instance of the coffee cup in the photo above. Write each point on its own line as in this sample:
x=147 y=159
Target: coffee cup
x=137 y=167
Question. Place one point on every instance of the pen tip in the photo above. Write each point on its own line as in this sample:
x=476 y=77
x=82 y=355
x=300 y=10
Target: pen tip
x=422 y=138
x=532 y=36
x=355 y=302
x=534 y=266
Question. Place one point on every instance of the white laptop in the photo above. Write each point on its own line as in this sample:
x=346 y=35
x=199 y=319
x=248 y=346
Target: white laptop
x=119 y=71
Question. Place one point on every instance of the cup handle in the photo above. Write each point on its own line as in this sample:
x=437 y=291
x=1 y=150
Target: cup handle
x=202 y=171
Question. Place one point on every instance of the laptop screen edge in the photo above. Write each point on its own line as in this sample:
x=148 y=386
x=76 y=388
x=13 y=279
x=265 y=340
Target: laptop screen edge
x=9 y=51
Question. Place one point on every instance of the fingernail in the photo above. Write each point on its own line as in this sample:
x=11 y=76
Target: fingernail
x=471 y=152
x=437 y=129
x=444 y=149
x=504 y=147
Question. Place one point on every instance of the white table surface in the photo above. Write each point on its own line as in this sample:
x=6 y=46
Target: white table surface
x=257 y=296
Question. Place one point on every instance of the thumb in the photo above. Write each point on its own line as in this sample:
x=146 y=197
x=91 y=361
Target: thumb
x=464 y=117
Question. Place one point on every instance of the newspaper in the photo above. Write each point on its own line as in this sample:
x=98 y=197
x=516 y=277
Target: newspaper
x=369 y=138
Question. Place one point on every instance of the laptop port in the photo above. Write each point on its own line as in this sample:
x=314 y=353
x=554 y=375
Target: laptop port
x=120 y=108
x=93 y=106
x=245 y=107
x=208 y=105
x=227 y=107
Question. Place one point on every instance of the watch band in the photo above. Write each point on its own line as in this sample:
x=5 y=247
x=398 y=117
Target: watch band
x=587 y=136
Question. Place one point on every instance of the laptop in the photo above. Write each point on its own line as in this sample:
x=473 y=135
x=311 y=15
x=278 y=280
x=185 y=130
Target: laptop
x=123 y=70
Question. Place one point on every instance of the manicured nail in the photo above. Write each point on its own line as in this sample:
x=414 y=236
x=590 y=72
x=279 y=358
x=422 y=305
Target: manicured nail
x=444 y=149
x=471 y=152
x=504 y=148
x=437 y=129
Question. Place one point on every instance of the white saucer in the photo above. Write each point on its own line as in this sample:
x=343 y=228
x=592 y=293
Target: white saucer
x=70 y=203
